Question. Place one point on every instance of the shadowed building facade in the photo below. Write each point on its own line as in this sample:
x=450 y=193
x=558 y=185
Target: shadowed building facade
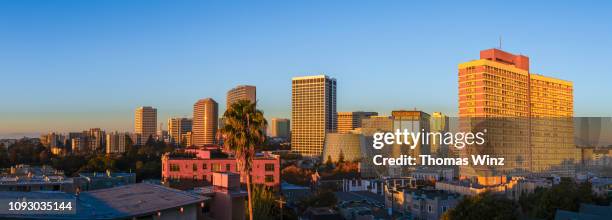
x=348 y=121
x=177 y=127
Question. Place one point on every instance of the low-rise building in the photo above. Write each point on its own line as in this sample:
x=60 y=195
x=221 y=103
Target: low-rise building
x=433 y=174
x=428 y=204
x=512 y=188
x=27 y=178
x=96 y=180
x=227 y=199
x=200 y=164
x=134 y=201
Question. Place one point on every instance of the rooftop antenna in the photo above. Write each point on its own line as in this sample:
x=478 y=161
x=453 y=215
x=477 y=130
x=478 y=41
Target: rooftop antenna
x=500 y=42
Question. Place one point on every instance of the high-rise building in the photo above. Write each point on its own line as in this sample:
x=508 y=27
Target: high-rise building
x=528 y=117
x=145 y=123
x=350 y=120
x=177 y=127
x=412 y=121
x=242 y=92
x=186 y=139
x=313 y=113
x=79 y=144
x=52 y=139
x=116 y=142
x=95 y=139
x=205 y=116
x=279 y=128
x=439 y=122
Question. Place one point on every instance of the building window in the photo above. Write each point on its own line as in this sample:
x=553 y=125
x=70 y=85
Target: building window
x=195 y=167
x=216 y=167
x=269 y=178
x=269 y=167
x=429 y=208
x=227 y=167
x=204 y=166
x=175 y=167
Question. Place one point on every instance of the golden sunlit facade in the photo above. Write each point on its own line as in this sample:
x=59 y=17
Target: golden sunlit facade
x=204 y=127
x=348 y=121
x=528 y=117
x=145 y=122
x=242 y=92
x=313 y=113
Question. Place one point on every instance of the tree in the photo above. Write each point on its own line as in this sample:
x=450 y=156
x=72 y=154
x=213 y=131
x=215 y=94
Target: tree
x=484 y=206
x=321 y=198
x=242 y=131
x=295 y=175
x=328 y=163
x=264 y=202
x=341 y=157
x=567 y=195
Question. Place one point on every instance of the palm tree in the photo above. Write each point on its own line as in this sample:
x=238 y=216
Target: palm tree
x=242 y=131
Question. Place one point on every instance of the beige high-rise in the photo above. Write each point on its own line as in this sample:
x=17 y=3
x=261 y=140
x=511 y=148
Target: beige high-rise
x=205 y=116
x=313 y=113
x=242 y=92
x=350 y=120
x=177 y=127
x=145 y=123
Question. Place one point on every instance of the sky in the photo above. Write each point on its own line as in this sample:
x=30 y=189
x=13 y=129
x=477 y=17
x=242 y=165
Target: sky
x=73 y=65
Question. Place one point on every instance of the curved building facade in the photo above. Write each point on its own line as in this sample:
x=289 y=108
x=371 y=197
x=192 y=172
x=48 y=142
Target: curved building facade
x=349 y=145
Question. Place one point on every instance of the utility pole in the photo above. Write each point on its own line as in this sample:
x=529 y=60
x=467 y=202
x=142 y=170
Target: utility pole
x=280 y=203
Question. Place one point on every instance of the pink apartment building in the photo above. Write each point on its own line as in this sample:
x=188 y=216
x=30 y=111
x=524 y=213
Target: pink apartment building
x=200 y=164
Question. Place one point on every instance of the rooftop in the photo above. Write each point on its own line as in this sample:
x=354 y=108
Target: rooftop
x=112 y=203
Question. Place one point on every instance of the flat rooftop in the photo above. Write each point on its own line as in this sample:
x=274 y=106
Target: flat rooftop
x=112 y=203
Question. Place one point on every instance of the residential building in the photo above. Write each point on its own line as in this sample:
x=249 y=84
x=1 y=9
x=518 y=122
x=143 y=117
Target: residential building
x=133 y=201
x=116 y=142
x=205 y=119
x=279 y=128
x=313 y=113
x=177 y=127
x=498 y=93
x=241 y=92
x=108 y=179
x=428 y=203
x=52 y=139
x=348 y=121
x=511 y=187
x=79 y=144
x=227 y=201
x=200 y=164
x=28 y=178
x=145 y=123
x=95 y=139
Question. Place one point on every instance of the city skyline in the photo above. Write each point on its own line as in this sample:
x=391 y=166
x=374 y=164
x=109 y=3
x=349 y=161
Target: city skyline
x=68 y=74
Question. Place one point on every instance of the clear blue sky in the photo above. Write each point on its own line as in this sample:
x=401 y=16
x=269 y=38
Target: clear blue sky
x=71 y=65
